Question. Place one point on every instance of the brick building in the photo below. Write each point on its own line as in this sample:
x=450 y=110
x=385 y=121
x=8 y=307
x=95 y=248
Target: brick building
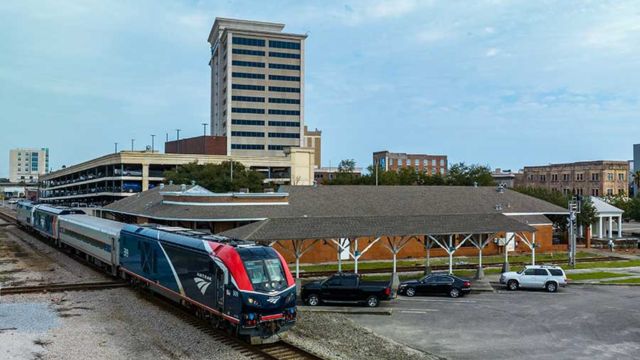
x=595 y=178
x=206 y=145
x=430 y=164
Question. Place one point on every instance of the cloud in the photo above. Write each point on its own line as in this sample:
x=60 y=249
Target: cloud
x=621 y=34
x=491 y=52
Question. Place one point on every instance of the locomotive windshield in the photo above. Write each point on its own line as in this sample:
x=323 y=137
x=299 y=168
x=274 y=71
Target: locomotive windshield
x=266 y=275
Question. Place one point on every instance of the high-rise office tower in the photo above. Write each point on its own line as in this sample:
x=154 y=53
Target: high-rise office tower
x=257 y=86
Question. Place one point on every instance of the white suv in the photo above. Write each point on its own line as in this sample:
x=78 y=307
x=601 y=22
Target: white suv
x=535 y=277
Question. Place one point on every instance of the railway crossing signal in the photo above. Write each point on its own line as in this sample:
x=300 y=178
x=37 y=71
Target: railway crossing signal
x=574 y=210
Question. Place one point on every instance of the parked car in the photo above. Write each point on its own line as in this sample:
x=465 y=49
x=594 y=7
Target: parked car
x=346 y=288
x=436 y=283
x=535 y=277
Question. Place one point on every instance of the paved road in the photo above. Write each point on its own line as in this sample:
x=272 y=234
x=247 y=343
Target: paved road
x=631 y=227
x=600 y=322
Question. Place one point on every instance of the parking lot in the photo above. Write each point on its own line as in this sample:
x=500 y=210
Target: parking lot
x=600 y=322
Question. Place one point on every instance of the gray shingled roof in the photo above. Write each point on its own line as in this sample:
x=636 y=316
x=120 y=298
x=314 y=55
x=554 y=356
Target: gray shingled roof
x=335 y=227
x=346 y=201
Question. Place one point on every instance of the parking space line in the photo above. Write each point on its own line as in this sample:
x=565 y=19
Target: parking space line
x=440 y=300
x=417 y=311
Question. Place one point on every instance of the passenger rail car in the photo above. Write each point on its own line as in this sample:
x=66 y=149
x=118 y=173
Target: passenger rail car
x=247 y=286
x=44 y=219
x=97 y=238
x=24 y=211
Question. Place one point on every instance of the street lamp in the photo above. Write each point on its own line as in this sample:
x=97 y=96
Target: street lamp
x=152 y=142
x=178 y=141
x=116 y=147
x=132 y=141
x=204 y=138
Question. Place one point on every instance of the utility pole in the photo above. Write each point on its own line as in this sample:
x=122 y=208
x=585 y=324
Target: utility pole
x=178 y=140
x=204 y=138
x=132 y=141
x=116 y=147
x=376 y=165
x=152 y=142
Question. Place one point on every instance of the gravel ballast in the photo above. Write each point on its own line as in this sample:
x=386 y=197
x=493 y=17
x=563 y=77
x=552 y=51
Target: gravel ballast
x=106 y=324
x=334 y=336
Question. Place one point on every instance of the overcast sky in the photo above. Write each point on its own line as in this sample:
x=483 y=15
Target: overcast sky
x=503 y=83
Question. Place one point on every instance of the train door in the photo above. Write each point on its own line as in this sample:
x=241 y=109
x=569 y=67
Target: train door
x=220 y=285
x=219 y=272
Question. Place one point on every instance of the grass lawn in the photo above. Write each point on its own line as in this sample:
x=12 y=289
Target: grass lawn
x=608 y=264
x=388 y=277
x=348 y=265
x=469 y=274
x=625 y=281
x=595 y=275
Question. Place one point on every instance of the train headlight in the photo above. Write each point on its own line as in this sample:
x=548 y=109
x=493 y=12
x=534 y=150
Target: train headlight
x=253 y=302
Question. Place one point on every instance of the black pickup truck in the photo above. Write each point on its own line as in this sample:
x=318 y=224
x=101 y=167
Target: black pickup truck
x=346 y=288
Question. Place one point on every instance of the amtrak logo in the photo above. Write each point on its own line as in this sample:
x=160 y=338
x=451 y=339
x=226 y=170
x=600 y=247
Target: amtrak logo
x=202 y=281
x=274 y=299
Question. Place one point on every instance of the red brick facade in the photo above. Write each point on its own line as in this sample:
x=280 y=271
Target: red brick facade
x=325 y=251
x=207 y=145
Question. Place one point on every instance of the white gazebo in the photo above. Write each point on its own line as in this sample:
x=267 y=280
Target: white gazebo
x=606 y=212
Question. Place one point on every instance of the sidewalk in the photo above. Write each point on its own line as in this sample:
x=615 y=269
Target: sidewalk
x=484 y=284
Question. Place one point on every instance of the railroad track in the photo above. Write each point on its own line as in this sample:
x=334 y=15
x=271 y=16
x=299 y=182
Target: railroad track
x=48 y=288
x=420 y=267
x=8 y=217
x=281 y=350
x=286 y=351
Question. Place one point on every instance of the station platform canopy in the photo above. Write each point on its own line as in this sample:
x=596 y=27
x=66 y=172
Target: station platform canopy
x=301 y=228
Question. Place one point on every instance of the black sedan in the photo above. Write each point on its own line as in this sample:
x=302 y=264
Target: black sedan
x=436 y=284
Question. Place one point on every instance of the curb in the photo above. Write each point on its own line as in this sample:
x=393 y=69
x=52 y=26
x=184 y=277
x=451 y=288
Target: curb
x=344 y=311
x=604 y=284
x=483 y=290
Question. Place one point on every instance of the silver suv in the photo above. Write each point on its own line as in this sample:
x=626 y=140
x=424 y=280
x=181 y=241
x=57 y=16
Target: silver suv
x=535 y=277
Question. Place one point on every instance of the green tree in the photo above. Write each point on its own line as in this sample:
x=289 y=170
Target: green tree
x=623 y=203
x=552 y=196
x=588 y=213
x=633 y=209
x=217 y=177
x=347 y=166
x=461 y=174
x=407 y=176
x=636 y=181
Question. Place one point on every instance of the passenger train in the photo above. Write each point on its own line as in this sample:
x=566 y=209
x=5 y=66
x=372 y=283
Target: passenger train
x=241 y=286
